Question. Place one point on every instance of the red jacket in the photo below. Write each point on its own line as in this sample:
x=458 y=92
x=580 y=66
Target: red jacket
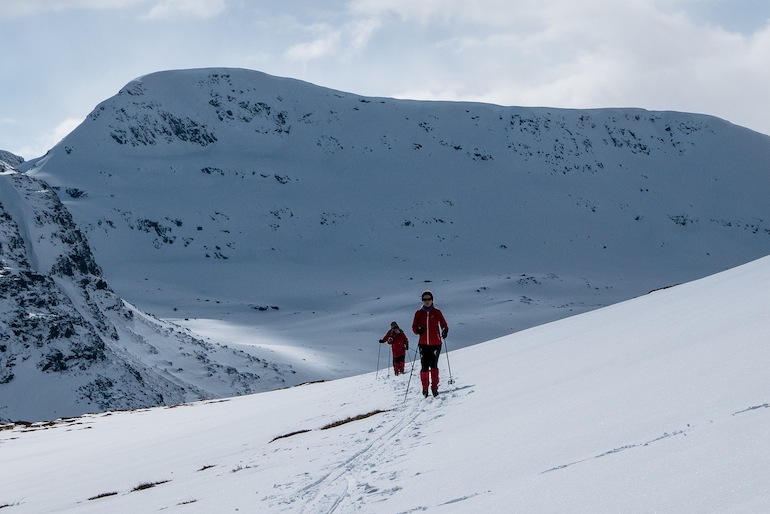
x=398 y=342
x=432 y=322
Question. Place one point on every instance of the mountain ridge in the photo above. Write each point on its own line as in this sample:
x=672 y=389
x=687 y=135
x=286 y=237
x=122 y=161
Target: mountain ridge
x=281 y=149
x=228 y=198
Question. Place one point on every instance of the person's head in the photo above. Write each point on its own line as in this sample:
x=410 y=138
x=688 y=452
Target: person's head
x=427 y=298
x=394 y=327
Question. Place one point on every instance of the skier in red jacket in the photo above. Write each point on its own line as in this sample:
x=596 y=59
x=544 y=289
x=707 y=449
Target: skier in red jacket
x=430 y=325
x=399 y=344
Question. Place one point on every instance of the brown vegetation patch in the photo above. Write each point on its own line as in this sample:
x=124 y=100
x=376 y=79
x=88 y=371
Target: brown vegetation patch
x=334 y=424
x=289 y=435
x=354 y=418
x=103 y=495
x=148 y=485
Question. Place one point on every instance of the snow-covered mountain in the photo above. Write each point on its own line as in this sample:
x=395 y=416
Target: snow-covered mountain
x=9 y=160
x=659 y=404
x=70 y=345
x=295 y=222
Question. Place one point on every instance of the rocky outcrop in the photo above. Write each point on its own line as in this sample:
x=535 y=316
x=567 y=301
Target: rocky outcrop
x=69 y=344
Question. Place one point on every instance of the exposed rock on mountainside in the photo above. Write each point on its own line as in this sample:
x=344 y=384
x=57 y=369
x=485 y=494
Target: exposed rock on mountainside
x=9 y=161
x=69 y=344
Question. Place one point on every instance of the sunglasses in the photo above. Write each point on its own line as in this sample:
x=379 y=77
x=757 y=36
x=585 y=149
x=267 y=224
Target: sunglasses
x=427 y=299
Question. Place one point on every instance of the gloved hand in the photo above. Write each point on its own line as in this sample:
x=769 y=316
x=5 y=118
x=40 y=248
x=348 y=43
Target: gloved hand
x=444 y=332
x=382 y=340
x=421 y=330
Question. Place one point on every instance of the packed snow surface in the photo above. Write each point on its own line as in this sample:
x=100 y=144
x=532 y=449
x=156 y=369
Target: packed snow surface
x=657 y=404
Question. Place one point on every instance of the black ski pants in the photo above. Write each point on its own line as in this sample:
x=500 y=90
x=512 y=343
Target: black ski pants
x=429 y=355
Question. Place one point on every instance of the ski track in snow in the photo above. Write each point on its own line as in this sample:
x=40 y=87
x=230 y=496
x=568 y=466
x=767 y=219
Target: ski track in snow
x=666 y=435
x=358 y=477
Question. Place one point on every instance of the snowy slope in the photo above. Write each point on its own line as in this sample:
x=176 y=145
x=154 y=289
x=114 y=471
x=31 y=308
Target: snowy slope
x=657 y=404
x=310 y=218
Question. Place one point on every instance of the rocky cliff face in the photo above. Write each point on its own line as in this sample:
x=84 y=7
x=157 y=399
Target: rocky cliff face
x=69 y=344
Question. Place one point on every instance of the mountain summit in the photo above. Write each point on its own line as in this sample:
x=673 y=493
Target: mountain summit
x=314 y=217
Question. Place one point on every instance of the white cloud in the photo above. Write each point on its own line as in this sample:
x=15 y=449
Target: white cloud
x=495 y=14
x=47 y=141
x=22 y=8
x=361 y=32
x=202 y=9
x=325 y=45
x=334 y=42
x=158 y=9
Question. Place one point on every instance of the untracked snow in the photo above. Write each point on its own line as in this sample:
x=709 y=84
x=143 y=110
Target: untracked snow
x=658 y=404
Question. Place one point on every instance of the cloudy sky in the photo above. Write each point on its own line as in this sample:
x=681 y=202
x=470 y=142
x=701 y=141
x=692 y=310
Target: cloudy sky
x=60 y=58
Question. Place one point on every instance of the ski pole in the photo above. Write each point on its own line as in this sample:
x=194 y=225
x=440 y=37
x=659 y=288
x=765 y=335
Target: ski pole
x=379 y=347
x=410 y=374
x=446 y=352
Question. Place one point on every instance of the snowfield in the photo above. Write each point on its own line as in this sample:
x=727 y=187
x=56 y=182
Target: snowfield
x=657 y=404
